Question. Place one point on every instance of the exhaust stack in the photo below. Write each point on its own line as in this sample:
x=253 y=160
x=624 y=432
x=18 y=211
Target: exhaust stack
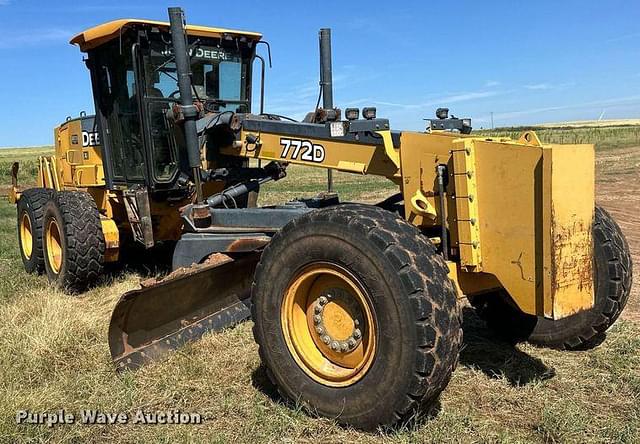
x=326 y=83
x=189 y=111
x=326 y=76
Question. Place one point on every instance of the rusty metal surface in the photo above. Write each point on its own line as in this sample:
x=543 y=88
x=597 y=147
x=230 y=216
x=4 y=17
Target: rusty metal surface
x=251 y=243
x=193 y=248
x=166 y=314
x=14 y=174
x=573 y=256
x=14 y=192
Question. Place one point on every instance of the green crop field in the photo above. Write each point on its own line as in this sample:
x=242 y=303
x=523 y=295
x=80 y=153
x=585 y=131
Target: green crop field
x=54 y=353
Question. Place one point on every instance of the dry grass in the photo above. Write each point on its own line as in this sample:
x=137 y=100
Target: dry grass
x=54 y=355
x=28 y=158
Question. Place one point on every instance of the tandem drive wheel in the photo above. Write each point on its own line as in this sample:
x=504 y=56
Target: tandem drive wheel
x=355 y=316
x=73 y=241
x=612 y=278
x=30 y=215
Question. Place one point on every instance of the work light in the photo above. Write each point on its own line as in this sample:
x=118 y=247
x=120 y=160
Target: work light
x=369 y=112
x=352 y=113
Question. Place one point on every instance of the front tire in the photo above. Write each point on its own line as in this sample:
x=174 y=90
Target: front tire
x=355 y=316
x=612 y=279
x=73 y=241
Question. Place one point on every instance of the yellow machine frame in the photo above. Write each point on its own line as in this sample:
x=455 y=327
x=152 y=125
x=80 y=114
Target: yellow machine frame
x=514 y=219
x=511 y=206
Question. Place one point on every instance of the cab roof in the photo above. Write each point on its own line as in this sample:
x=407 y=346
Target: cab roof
x=96 y=36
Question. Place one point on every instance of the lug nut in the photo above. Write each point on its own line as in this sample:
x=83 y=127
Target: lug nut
x=344 y=346
x=319 y=330
x=357 y=333
x=323 y=300
x=356 y=322
x=317 y=319
x=326 y=339
x=335 y=346
x=317 y=309
x=352 y=343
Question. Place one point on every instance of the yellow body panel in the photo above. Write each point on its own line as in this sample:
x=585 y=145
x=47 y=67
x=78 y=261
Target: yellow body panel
x=100 y=34
x=515 y=219
x=420 y=154
x=465 y=173
x=568 y=215
x=338 y=155
x=506 y=223
x=111 y=239
x=78 y=158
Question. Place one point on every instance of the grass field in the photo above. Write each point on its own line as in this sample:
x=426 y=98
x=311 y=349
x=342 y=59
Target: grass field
x=592 y=123
x=54 y=354
x=603 y=137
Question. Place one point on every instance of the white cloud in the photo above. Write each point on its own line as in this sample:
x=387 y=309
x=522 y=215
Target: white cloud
x=491 y=83
x=613 y=102
x=16 y=40
x=545 y=86
x=444 y=100
x=538 y=86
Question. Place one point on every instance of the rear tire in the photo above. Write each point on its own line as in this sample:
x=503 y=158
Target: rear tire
x=408 y=316
x=30 y=216
x=612 y=279
x=73 y=242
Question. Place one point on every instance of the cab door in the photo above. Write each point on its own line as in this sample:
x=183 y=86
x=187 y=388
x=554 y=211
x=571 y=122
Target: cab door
x=157 y=89
x=117 y=108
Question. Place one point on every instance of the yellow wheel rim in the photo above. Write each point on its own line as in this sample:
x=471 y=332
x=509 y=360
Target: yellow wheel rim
x=54 y=246
x=26 y=235
x=328 y=324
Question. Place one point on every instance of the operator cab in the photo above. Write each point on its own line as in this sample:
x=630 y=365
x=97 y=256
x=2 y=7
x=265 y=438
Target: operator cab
x=135 y=89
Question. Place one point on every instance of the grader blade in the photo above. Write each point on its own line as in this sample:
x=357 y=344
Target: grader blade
x=166 y=314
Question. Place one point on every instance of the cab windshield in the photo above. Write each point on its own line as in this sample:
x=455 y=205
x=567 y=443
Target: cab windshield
x=218 y=75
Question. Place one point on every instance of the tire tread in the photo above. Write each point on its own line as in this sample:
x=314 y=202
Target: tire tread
x=437 y=317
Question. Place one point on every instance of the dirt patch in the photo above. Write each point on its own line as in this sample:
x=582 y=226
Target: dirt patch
x=618 y=191
x=211 y=261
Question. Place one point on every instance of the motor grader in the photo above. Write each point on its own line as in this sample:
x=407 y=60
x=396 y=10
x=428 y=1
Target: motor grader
x=355 y=307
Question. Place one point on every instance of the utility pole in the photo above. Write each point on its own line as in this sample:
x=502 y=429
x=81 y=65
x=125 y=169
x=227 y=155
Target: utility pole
x=492 y=127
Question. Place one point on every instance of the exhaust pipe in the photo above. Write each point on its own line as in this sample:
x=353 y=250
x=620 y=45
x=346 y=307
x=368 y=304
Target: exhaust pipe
x=189 y=111
x=326 y=76
x=326 y=83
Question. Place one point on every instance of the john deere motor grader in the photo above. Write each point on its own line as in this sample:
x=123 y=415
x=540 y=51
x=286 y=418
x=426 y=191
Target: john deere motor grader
x=354 y=306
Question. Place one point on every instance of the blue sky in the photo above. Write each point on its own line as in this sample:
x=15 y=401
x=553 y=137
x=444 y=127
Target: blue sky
x=527 y=62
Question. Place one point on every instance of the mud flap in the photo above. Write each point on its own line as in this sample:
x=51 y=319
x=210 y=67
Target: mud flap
x=164 y=315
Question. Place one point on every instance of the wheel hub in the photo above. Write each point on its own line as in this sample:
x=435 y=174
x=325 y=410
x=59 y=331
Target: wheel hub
x=329 y=324
x=335 y=313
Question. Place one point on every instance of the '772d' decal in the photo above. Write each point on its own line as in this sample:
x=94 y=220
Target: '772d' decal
x=305 y=149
